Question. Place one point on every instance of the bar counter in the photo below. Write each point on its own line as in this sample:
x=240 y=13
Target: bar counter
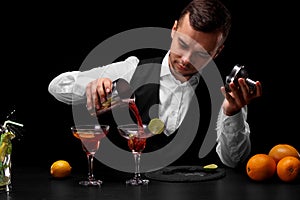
x=36 y=183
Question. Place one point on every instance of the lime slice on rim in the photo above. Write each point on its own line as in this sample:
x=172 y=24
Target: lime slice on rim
x=156 y=126
x=210 y=167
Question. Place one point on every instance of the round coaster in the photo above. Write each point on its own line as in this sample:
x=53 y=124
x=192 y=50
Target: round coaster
x=186 y=174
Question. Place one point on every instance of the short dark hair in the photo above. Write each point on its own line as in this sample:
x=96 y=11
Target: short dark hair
x=208 y=16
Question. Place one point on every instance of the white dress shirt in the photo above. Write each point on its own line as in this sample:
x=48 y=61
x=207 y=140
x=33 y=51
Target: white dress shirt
x=233 y=142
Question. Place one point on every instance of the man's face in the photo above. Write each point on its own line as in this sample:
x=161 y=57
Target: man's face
x=191 y=50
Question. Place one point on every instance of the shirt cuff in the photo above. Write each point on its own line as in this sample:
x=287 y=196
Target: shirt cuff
x=80 y=85
x=232 y=124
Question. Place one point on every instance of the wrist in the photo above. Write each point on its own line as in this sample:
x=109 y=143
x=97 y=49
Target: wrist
x=228 y=112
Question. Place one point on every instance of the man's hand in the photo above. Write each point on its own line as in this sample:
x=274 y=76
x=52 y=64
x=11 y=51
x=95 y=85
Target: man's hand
x=239 y=96
x=96 y=93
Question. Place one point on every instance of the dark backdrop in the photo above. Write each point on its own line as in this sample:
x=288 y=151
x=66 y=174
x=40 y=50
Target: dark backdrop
x=40 y=41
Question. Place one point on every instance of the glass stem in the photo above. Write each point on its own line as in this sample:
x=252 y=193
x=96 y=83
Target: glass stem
x=90 y=158
x=137 y=159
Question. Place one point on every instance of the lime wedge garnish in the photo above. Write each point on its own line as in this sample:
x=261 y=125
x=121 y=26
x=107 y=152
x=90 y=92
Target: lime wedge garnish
x=107 y=103
x=210 y=167
x=156 y=126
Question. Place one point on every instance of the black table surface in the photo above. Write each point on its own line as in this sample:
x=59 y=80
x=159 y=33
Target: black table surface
x=36 y=183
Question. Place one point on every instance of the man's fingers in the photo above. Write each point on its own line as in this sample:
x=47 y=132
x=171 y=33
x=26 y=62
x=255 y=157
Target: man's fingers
x=89 y=100
x=258 y=89
x=96 y=93
x=227 y=95
x=107 y=86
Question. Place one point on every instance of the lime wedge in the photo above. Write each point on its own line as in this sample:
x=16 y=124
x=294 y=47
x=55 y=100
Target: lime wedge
x=156 y=126
x=210 y=167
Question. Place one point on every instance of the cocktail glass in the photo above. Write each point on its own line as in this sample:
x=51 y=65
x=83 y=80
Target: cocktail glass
x=90 y=136
x=136 y=137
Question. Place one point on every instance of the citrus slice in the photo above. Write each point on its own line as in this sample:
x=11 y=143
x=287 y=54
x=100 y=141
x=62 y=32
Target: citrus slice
x=85 y=135
x=210 y=167
x=107 y=103
x=156 y=126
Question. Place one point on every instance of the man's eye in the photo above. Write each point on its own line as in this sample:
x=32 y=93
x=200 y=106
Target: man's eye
x=183 y=45
x=202 y=54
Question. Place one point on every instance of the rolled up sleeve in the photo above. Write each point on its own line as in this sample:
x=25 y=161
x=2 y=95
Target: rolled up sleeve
x=233 y=138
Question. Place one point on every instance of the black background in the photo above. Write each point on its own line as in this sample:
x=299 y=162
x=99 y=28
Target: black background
x=41 y=40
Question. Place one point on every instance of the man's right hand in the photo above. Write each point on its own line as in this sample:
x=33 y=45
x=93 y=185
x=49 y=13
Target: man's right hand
x=96 y=93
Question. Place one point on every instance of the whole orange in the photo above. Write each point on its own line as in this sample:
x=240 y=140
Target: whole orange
x=260 y=167
x=288 y=168
x=60 y=169
x=279 y=151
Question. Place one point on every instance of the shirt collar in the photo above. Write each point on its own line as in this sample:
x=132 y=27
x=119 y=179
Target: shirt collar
x=165 y=70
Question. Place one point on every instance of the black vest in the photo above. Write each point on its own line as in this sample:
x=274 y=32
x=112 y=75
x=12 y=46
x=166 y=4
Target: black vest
x=145 y=83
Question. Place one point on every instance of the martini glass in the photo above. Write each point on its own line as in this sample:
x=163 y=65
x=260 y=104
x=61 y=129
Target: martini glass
x=136 y=138
x=90 y=136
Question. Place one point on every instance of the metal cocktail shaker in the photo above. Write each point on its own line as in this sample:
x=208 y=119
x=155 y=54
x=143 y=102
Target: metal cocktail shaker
x=120 y=96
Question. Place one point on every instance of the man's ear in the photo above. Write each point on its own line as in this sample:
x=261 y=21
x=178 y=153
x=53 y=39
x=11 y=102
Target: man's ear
x=174 y=28
x=220 y=48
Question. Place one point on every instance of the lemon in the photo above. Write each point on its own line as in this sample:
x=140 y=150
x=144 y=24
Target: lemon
x=156 y=126
x=60 y=169
x=210 y=167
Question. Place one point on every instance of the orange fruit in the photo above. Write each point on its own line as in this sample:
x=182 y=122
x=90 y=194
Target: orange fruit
x=60 y=169
x=279 y=151
x=288 y=168
x=260 y=167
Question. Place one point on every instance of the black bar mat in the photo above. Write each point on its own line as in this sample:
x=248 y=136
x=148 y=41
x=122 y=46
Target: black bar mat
x=186 y=174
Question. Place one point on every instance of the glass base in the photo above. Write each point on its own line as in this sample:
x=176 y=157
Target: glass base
x=91 y=183
x=135 y=181
x=5 y=188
